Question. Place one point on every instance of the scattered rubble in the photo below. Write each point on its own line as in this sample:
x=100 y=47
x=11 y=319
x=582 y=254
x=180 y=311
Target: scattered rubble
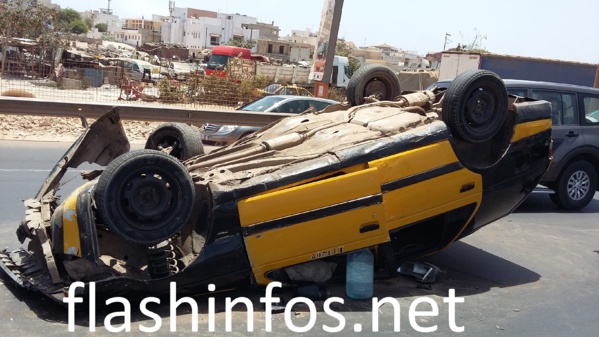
x=63 y=129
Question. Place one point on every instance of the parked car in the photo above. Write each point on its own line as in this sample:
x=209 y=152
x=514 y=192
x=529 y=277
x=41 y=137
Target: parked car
x=277 y=89
x=182 y=70
x=139 y=70
x=403 y=179
x=575 y=114
x=213 y=134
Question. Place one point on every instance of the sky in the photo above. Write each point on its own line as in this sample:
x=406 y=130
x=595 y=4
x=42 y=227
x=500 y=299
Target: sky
x=552 y=29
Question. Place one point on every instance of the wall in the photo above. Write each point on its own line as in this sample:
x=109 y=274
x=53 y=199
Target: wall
x=301 y=54
x=112 y=22
x=199 y=13
x=262 y=49
x=369 y=54
x=540 y=69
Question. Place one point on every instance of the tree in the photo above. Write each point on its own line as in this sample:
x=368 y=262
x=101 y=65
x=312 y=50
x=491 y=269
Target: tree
x=67 y=16
x=21 y=20
x=78 y=27
x=89 y=22
x=69 y=20
x=242 y=44
x=102 y=27
x=343 y=49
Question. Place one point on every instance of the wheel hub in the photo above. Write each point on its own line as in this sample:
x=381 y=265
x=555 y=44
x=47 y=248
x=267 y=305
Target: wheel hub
x=578 y=185
x=376 y=88
x=479 y=108
x=147 y=197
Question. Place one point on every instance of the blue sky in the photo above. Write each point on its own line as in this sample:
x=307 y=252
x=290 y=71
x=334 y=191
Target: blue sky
x=554 y=29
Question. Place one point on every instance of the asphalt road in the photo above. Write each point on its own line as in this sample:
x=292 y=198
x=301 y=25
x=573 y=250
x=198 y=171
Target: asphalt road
x=533 y=273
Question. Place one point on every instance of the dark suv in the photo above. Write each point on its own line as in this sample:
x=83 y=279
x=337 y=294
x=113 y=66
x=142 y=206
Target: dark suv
x=574 y=170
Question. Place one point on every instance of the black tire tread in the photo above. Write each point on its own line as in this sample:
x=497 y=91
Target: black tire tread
x=105 y=191
x=455 y=95
x=561 y=197
x=187 y=135
x=366 y=73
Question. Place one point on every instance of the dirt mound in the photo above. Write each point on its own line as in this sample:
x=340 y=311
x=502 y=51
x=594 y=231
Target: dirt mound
x=58 y=129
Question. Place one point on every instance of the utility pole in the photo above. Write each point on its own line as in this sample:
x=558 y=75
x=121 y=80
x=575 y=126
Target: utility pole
x=447 y=35
x=324 y=53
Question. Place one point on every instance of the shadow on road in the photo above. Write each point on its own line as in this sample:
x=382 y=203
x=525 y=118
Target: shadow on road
x=539 y=202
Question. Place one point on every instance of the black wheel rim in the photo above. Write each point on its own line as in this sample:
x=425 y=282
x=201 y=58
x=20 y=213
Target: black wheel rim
x=480 y=108
x=148 y=199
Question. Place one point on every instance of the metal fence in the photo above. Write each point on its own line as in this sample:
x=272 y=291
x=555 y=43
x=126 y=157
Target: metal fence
x=110 y=86
x=116 y=81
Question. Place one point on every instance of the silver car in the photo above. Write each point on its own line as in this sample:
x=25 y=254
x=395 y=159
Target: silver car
x=220 y=135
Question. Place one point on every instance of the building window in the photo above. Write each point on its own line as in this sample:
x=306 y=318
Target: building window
x=214 y=40
x=269 y=48
x=281 y=49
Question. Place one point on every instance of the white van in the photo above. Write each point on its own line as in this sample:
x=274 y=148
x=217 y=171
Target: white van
x=139 y=70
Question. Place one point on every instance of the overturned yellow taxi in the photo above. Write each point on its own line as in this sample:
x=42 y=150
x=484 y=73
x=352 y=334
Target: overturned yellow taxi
x=404 y=176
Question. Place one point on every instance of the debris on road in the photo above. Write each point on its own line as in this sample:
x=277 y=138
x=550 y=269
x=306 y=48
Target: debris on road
x=422 y=271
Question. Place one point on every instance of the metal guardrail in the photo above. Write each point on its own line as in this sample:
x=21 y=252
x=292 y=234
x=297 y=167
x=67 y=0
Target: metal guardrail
x=154 y=113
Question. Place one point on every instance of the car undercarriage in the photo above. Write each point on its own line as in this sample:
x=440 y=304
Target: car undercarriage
x=404 y=177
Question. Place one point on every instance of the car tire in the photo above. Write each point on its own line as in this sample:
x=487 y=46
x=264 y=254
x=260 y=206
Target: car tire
x=575 y=186
x=475 y=105
x=372 y=79
x=145 y=196
x=184 y=140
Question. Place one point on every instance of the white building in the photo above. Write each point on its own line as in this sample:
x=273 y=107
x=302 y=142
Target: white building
x=198 y=29
x=129 y=37
x=302 y=36
x=113 y=22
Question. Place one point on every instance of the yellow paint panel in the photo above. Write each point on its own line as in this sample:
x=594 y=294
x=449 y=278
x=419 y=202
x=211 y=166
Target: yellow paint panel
x=297 y=243
x=260 y=271
x=308 y=197
x=431 y=193
x=70 y=226
x=415 y=161
x=530 y=128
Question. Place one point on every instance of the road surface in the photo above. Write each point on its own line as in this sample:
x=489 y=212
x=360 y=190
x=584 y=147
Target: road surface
x=533 y=273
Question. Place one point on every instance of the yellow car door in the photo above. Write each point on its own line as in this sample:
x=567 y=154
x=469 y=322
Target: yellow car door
x=313 y=220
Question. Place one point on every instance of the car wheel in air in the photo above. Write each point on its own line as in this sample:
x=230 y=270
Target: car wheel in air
x=372 y=79
x=180 y=140
x=475 y=105
x=145 y=196
x=576 y=186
